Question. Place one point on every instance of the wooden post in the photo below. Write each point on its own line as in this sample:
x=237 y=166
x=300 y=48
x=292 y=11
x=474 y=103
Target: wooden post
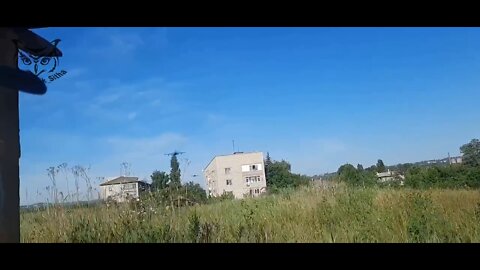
x=9 y=149
x=13 y=80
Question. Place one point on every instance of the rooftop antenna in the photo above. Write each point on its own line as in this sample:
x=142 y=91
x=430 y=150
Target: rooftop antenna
x=125 y=169
x=13 y=80
x=185 y=166
x=233 y=145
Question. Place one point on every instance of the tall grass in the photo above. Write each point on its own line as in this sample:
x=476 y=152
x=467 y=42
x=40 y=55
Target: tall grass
x=334 y=214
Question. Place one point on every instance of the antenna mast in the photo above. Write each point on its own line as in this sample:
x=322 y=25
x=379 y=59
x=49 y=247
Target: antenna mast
x=125 y=169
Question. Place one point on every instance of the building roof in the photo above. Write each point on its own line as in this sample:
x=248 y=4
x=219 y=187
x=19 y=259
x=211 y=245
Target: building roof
x=234 y=154
x=121 y=180
x=385 y=174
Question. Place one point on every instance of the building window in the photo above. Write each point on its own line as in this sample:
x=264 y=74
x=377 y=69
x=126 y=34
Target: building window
x=129 y=186
x=257 y=191
x=227 y=170
x=229 y=182
x=253 y=167
x=252 y=179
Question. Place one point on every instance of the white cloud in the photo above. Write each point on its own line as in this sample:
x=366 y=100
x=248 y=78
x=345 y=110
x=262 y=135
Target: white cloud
x=214 y=118
x=75 y=72
x=133 y=148
x=106 y=99
x=156 y=102
x=158 y=38
x=113 y=101
x=83 y=85
x=132 y=115
x=113 y=43
x=124 y=42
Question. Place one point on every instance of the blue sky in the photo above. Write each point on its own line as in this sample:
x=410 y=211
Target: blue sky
x=317 y=97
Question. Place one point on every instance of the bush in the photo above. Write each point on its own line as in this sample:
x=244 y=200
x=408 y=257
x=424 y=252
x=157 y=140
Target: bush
x=227 y=196
x=279 y=176
x=350 y=175
x=452 y=176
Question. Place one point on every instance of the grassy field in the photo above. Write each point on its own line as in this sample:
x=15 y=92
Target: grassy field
x=336 y=214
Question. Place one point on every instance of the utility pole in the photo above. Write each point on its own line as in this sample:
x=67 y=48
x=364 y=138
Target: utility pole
x=13 y=80
x=9 y=148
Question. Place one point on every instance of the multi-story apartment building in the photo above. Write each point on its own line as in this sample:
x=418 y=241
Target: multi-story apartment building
x=242 y=174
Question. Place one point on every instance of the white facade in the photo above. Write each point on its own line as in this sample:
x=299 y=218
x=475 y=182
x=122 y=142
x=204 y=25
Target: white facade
x=122 y=189
x=241 y=174
x=455 y=160
x=389 y=176
x=120 y=192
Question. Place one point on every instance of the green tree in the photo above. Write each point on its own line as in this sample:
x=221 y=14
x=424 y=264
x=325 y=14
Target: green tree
x=350 y=175
x=372 y=168
x=175 y=172
x=160 y=180
x=301 y=180
x=360 y=167
x=280 y=176
x=471 y=153
x=380 y=166
x=194 y=192
x=268 y=162
x=453 y=176
x=403 y=168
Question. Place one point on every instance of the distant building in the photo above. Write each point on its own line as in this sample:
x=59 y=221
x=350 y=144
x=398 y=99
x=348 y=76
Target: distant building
x=390 y=176
x=242 y=174
x=456 y=160
x=123 y=188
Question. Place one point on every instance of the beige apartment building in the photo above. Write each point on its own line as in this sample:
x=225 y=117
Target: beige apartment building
x=242 y=174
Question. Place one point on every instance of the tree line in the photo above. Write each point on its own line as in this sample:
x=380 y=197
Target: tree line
x=459 y=175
